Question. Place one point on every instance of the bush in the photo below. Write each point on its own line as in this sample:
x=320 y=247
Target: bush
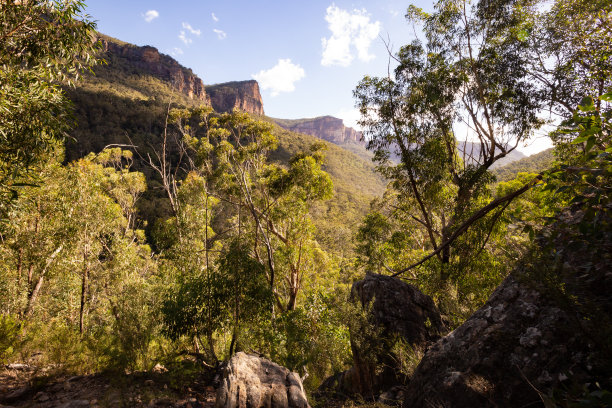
x=10 y=331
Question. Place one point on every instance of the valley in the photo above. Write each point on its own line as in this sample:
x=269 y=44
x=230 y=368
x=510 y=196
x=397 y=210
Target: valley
x=167 y=241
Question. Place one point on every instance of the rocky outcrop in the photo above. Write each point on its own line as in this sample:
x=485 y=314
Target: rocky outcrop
x=546 y=327
x=396 y=313
x=516 y=339
x=149 y=60
x=324 y=127
x=242 y=95
x=249 y=381
x=399 y=308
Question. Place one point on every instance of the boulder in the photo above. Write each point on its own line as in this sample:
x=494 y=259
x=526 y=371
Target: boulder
x=399 y=308
x=396 y=312
x=518 y=345
x=545 y=331
x=249 y=381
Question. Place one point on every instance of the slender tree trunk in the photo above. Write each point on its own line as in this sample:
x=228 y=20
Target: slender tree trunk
x=211 y=347
x=19 y=266
x=232 y=343
x=84 y=284
x=33 y=296
x=196 y=346
x=30 y=275
x=292 y=299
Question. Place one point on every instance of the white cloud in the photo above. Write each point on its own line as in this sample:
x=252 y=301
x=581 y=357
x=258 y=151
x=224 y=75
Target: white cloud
x=192 y=30
x=184 y=38
x=220 y=33
x=150 y=15
x=214 y=17
x=281 y=77
x=349 y=117
x=177 y=51
x=348 y=31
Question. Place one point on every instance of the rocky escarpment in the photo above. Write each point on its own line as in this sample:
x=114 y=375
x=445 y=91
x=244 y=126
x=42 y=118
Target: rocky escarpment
x=241 y=95
x=324 y=127
x=150 y=61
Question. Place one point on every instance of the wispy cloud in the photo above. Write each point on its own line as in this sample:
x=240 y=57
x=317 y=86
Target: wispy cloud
x=214 y=17
x=184 y=38
x=220 y=33
x=349 y=31
x=177 y=51
x=150 y=15
x=281 y=77
x=192 y=30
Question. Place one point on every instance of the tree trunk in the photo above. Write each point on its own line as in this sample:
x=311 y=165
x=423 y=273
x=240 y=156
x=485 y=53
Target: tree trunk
x=211 y=347
x=33 y=296
x=84 y=284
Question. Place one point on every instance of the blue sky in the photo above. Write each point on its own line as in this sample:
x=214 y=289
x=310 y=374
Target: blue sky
x=307 y=56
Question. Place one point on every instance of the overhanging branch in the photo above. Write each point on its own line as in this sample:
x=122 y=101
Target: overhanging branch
x=470 y=221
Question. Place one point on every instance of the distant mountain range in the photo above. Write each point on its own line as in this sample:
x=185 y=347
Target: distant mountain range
x=127 y=100
x=242 y=95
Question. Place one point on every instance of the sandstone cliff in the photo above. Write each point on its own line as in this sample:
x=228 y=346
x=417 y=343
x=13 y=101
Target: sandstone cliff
x=324 y=127
x=241 y=95
x=150 y=61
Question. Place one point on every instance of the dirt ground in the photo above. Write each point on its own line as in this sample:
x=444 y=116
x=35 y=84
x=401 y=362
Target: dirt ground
x=24 y=386
x=28 y=386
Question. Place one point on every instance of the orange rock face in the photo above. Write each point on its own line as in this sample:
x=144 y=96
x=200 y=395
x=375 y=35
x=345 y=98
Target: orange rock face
x=149 y=60
x=242 y=95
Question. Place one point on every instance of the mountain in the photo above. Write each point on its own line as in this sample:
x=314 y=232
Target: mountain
x=324 y=127
x=533 y=164
x=471 y=152
x=241 y=95
x=148 y=60
x=126 y=101
x=127 y=65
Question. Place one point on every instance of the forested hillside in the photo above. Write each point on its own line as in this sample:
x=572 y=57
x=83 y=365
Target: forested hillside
x=533 y=164
x=163 y=243
x=123 y=104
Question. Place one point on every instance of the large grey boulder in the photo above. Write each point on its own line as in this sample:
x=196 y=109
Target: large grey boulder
x=396 y=312
x=249 y=381
x=517 y=343
x=399 y=308
x=546 y=330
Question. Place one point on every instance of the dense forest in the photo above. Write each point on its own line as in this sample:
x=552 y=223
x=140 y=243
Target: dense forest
x=141 y=229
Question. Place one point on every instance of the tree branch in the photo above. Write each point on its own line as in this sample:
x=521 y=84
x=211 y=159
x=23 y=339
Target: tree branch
x=468 y=223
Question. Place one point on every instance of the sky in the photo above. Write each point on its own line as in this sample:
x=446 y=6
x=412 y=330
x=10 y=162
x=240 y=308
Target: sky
x=308 y=56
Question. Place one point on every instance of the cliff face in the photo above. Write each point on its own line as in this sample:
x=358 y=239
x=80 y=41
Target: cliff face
x=325 y=127
x=149 y=60
x=242 y=95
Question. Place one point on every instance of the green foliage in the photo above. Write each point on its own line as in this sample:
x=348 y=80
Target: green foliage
x=535 y=163
x=247 y=292
x=312 y=338
x=43 y=43
x=72 y=261
x=438 y=83
x=480 y=64
x=10 y=330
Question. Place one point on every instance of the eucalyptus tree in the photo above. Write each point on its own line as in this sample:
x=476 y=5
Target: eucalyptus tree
x=43 y=44
x=465 y=76
x=272 y=202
